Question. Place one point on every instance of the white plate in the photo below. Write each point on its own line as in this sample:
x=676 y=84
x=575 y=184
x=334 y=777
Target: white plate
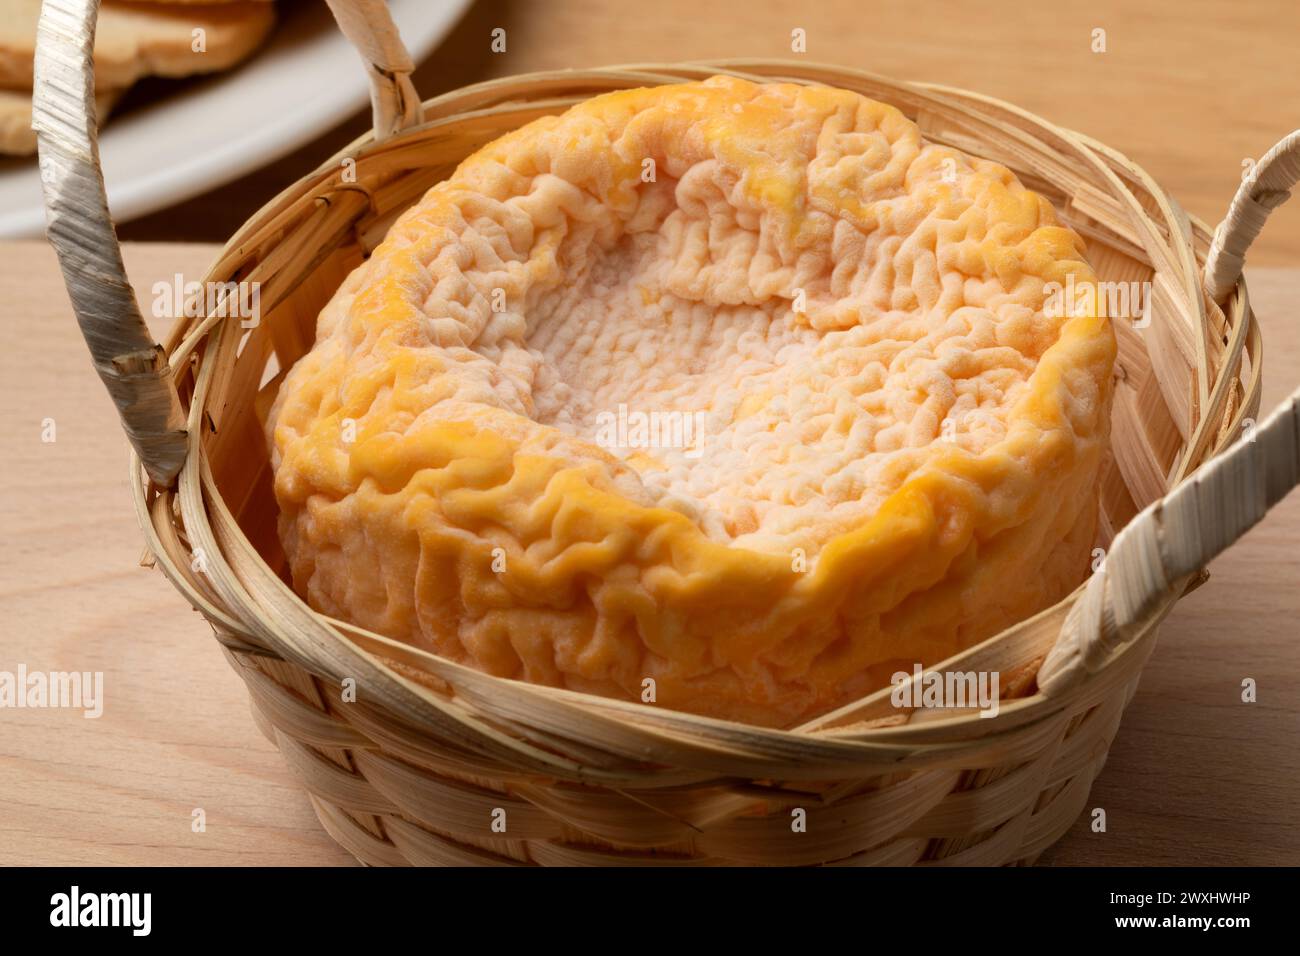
x=306 y=80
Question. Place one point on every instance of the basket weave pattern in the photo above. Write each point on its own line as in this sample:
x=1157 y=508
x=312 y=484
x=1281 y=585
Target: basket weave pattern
x=582 y=781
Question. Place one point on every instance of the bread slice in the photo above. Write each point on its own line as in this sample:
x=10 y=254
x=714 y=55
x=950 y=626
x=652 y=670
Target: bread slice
x=135 y=40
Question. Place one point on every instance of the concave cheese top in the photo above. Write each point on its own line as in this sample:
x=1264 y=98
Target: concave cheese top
x=703 y=383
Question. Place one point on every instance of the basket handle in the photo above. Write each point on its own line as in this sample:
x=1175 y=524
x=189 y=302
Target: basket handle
x=1266 y=186
x=393 y=100
x=1159 y=551
x=132 y=366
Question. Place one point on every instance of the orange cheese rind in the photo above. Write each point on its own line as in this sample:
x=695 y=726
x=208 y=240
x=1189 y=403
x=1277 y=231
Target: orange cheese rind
x=899 y=443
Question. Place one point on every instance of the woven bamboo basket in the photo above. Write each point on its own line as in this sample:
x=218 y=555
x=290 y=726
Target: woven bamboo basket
x=435 y=763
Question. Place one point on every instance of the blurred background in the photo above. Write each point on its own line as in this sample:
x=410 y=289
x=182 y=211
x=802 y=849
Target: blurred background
x=1189 y=89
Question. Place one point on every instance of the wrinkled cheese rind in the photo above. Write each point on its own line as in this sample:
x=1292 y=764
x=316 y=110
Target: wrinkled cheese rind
x=899 y=443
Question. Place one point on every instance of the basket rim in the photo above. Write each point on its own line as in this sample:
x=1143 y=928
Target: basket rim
x=890 y=741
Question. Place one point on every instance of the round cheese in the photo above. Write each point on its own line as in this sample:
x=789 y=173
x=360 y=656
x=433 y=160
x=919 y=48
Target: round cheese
x=723 y=397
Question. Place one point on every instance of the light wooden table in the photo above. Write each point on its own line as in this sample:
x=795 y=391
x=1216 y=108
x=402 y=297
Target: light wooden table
x=1195 y=776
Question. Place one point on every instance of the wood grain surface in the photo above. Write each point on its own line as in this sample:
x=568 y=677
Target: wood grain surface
x=1195 y=775
x=1190 y=89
